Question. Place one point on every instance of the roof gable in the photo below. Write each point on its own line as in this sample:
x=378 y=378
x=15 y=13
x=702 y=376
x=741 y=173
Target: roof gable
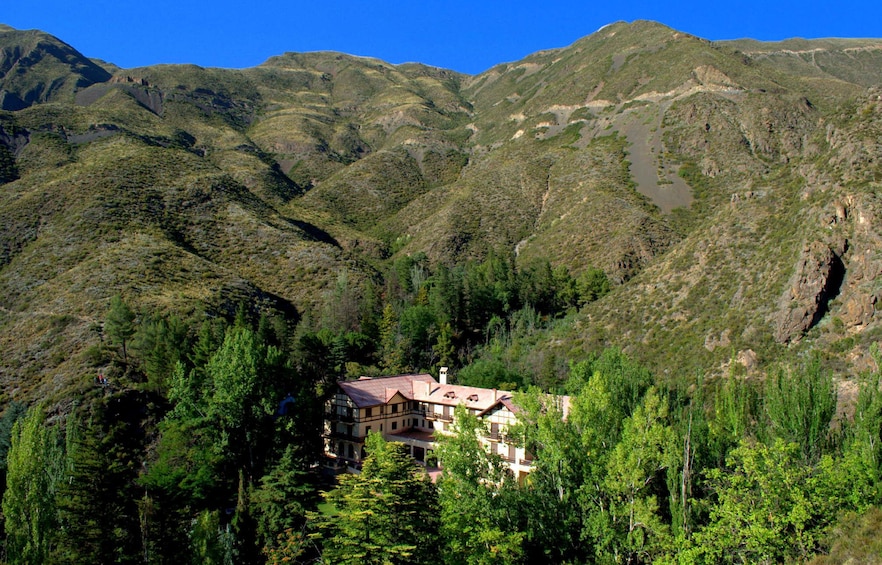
x=366 y=391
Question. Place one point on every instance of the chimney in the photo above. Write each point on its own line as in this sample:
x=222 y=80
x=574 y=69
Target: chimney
x=494 y=395
x=442 y=376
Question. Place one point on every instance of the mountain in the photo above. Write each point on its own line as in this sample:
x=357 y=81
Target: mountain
x=727 y=188
x=36 y=67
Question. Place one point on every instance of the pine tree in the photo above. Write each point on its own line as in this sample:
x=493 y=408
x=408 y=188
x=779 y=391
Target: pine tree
x=120 y=324
x=386 y=515
x=284 y=494
x=389 y=341
x=97 y=500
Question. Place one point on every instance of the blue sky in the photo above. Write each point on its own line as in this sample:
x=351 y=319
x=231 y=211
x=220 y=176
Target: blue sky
x=465 y=36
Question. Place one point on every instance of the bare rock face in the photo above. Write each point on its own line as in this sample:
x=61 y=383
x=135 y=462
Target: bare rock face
x=860 y=293
x=712 y=76
x=818 y=277
x=748 y=358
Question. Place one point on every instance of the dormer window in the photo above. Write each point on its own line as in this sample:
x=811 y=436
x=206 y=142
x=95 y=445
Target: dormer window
x=450 y=394
x=472 y=398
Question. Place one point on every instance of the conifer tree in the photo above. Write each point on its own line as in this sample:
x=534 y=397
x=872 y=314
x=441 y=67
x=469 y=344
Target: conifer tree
x=386 y=515
x=120 y=324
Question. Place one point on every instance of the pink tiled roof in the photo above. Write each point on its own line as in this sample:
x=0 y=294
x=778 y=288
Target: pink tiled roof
x=451 y=395
x=367 y=391
x=371 y=392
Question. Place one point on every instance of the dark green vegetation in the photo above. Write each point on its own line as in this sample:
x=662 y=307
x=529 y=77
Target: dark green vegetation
x=210 y=457
x=212 y=240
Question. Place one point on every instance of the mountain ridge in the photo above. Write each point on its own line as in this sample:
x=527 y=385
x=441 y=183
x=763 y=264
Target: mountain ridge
x=700 y=176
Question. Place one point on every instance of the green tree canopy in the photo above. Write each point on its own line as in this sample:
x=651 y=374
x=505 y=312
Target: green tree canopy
x=388 y=514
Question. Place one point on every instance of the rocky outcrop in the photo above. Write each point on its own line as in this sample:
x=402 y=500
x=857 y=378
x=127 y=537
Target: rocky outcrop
x=860 y=293
x=819 y=275
x=14 y=139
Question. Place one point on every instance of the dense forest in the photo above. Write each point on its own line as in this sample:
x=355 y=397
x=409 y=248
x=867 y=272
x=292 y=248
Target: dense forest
x=199 y=441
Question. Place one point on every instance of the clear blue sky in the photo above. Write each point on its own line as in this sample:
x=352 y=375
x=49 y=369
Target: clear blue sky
x=465 y=36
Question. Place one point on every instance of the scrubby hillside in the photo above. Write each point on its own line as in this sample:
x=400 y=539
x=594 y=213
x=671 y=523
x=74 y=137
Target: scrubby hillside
x=727 y=189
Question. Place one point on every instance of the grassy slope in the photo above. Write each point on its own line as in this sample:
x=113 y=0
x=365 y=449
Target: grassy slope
x=179 y=185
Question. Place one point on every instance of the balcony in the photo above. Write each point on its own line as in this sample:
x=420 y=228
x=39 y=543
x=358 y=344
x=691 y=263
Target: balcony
x=337 y=417
x=343 y=435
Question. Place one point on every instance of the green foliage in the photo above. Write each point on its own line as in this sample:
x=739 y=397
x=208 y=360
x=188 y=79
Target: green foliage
x=186 y=467
x=477 y=495
x=598 y=477
x=11 y=414
x=800 y=405
x=489 y=373
x=282 y=499
x=8 y=169
x=735 y=412
x=635 y=472
x=560 y=473
x=120 y=324
x=444 y=350
x=387 y=514
x=289 y=546
x=160 y=344
x=493 y=253
x=210 y=541
x=33 y=472
x=391 y=354
x=418 y=324
x=866 y=431
x=621 y=377
x=771 y=506
x=97 y=500
x=592 y=284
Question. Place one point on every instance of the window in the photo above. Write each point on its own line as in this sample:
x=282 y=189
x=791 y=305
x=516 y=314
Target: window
x=367 y=430
x=381 y=427
x=394 y=425
x=368 y=412
x=394 y=408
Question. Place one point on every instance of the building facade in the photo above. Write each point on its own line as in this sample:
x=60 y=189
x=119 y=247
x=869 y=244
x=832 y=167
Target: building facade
x=414 y=410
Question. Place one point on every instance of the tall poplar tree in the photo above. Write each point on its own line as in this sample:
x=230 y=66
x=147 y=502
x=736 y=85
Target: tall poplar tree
x=33 y=469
